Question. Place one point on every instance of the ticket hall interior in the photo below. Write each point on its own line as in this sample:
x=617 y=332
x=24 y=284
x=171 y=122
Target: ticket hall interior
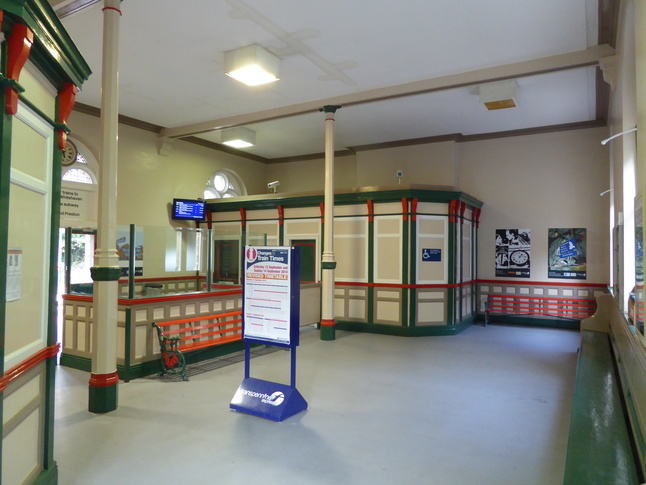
x=463 y=222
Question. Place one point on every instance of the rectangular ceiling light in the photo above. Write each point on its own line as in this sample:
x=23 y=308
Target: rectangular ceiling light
x=238 y=137
x=499 y=95
x=252 y=65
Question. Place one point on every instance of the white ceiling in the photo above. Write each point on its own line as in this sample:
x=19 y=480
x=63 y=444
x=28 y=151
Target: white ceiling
x=369 y=56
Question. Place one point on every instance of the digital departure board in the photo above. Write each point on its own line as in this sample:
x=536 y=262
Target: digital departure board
x=189 y=209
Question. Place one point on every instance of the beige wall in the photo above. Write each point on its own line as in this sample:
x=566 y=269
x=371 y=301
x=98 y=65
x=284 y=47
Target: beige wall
x=147 y=181
x=540 y=182
x=430 y=164
x=535 y=182
x=309 y=176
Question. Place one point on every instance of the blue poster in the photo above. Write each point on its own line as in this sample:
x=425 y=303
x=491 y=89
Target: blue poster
x=567 y=253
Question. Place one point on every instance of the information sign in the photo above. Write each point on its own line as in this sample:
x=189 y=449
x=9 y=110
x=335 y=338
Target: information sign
x=268 y=283
x=270 y=316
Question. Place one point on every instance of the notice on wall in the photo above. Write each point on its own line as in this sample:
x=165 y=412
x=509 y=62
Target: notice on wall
x=513 y=255
x=267 y=294
x=73 y=204
x=14 y=274
x=567 y=253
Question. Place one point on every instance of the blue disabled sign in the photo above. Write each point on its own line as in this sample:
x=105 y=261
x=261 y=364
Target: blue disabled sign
x=270 y=316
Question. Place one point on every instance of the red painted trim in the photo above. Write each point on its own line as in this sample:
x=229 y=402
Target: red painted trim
x=104 y=380
x=328 y=323
x=404 y=209
x=112 y=8
x=66 y=99
x=322 y=207
x=18 y=47
x=26 y=365
x=544 y=283
x=453 y=210
x=414 y=208
x=243 y=216
x=169 y=278
x=476 y=216
x=537 y=297
x=371 y=210
x=1 y=17
x=209 y=219
x=201 y=318
x=142 y=301
x=405 y=286
x=281 y=215
x=463 y=208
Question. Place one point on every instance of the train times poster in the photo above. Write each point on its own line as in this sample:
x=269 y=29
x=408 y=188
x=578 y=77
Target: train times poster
x=513 y=255
x=567 y=253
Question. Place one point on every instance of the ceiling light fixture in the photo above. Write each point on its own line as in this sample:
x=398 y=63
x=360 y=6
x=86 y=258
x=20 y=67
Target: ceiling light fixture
x=239 y=137
x=251 y=65
x=499 y=95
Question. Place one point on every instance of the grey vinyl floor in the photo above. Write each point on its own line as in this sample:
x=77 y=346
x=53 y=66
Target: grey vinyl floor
x=489 y=406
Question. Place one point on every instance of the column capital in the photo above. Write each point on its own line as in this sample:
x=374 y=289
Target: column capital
x=330 y=108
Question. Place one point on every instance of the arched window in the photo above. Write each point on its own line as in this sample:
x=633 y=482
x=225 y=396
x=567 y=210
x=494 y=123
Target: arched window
x=78 y=175
x=224 y=184
x=79 y=170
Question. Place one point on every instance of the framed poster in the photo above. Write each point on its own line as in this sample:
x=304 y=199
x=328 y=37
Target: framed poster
x=567 y=253
x=513 y=254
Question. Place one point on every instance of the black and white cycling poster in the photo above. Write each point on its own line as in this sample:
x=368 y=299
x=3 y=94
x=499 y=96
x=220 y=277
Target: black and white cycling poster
x=513 y=255
x=567 y=253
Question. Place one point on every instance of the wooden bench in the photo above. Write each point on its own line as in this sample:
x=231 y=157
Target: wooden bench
x=599 y=446
x=545 y=306
x=187 y=334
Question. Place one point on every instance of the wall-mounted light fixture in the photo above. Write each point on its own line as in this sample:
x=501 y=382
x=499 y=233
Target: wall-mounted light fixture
x=238 y=137
x=603 y=142
x=499 y=94
x=252 y=65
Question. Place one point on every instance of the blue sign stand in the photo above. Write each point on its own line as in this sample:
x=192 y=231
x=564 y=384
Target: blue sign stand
x=270 y=320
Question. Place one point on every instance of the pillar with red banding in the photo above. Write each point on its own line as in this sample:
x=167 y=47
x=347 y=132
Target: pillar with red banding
x=328 y=263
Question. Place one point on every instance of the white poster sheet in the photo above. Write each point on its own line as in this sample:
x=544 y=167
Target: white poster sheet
x=267 y=293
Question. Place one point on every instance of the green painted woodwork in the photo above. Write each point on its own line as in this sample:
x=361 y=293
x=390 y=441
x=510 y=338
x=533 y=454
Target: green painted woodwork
x=261 y=202
x=103 y=399
x=49 y=476
x=411 y=331
x=105 y=273
x=450 y=292
x=371 y=269
x=307 y=259
x=529 y=321
x=599 y=448
x=328 y=265
x=128 y=338
x=131 y=264
x=76 y=362
x=409 y=275
x=53 y=52
x=151 y=367
x=328 y=332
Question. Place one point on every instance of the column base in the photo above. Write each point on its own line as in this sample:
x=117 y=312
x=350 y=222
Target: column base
x=103 y=393
x=328 y=329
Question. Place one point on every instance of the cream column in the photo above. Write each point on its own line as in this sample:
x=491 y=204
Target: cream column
x=104 y=380
x=328 y=263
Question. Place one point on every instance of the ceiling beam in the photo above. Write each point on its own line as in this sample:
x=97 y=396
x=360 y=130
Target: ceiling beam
x=570 y=60
x=65 y=8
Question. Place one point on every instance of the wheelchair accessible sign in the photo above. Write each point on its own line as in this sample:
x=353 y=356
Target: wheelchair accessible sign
x=429 y=255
